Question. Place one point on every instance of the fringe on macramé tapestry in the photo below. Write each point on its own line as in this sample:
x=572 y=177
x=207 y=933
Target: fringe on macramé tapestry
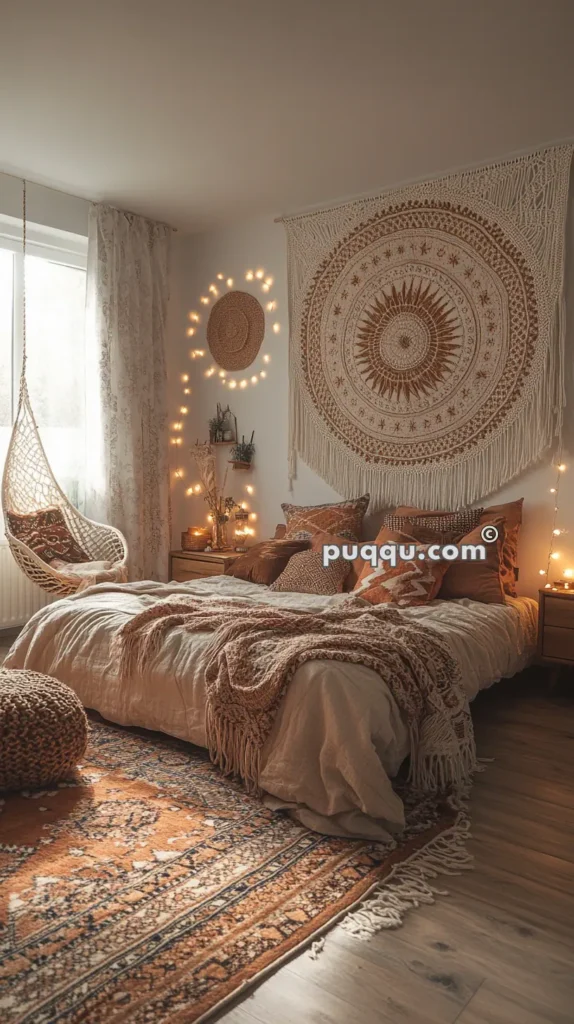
x=427 y=333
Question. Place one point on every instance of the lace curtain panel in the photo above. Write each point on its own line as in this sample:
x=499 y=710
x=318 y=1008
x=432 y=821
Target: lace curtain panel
x=127 y=295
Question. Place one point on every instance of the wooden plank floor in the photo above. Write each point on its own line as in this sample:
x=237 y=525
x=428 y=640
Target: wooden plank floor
x=500 y=947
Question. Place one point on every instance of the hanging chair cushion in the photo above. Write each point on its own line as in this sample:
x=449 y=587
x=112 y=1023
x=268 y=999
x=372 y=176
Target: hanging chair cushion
x=45 y=532
x=90 y=573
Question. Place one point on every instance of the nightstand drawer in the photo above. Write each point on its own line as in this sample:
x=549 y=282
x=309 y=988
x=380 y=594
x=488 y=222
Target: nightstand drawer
x=192 y=568
x=559 y=611
x=557 y=642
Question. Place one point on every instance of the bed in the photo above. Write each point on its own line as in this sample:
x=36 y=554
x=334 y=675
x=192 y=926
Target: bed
x=338 y=718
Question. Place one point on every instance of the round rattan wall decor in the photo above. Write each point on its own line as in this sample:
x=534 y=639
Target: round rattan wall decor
x=235 y=330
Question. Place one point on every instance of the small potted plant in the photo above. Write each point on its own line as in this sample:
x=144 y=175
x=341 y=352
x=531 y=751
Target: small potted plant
x=242 y=453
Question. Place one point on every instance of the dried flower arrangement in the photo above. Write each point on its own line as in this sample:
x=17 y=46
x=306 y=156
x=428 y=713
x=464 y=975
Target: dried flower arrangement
x=220 y=507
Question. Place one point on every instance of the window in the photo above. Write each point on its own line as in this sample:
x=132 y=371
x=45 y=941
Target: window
x=55 y=334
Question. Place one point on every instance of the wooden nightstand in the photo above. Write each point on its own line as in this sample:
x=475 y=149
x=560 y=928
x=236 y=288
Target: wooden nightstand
x=556 y=627
x=194 y=565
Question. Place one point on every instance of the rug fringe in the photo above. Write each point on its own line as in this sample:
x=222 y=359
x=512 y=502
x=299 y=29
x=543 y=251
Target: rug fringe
x=409 y=884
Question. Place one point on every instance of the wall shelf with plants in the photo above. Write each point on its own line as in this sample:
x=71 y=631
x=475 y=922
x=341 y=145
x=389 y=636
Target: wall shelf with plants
x=242 y=453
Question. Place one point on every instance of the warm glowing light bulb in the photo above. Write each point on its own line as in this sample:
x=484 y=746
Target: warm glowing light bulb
x=561 y=467
x=249 y=275
x=269 y=281
x=204 y=299
x=547 y=586
x=555 y=555
x=259 y=274
x=187 y=391
x=556 y=532
x=200 y=351
x=190 y=332
x=263 y=374
x=185 y=377
x=178 y=440
x=222 y=374
x=254 y=379
x=177 y=426
x=264 y=287
x=542 y=572
x=213 y=289
x=183 y=410
x=232 y=383
x=242 y=383
x=250 y=488
x=271 y=306
x=229 y=282
x=276 y=328
x=194 y=316
x=553 y=490
x=209 y=517
x=253 y=515
x=197 y=488
x=189 y=491
x=266 y=358
x=220 y=277
x=243 y=506
x=568 y=573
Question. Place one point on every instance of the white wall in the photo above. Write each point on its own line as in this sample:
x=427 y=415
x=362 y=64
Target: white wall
x=45 y=206
x=261 y=243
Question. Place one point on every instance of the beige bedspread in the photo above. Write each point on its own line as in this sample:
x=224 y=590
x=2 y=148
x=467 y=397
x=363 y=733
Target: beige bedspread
x=338 y=718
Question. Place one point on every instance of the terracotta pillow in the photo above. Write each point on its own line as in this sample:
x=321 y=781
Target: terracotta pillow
x=355 y=566
x=45 y=532
x=409 y=583
x=512 y=514
x=306 y=574
x=344 y=518
x=477 y=580
x=264 y=562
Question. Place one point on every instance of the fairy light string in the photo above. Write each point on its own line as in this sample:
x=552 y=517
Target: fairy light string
x=556 y=530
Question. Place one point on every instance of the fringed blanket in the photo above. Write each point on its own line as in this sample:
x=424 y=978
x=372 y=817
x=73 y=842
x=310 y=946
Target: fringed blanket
x=254 y=652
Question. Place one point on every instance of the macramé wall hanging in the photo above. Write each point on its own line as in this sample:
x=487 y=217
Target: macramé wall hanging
x=427 y=333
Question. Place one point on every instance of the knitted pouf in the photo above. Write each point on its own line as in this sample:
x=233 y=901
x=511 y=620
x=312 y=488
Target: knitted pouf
x=43 y=729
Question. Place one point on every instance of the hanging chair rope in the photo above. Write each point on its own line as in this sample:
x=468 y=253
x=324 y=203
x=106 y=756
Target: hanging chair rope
x=29 y=486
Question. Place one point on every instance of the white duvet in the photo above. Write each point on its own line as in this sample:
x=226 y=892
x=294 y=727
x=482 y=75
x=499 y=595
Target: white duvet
x=338 y=737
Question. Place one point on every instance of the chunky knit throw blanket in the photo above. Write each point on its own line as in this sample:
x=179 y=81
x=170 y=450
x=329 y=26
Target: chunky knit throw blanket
x=255 y=650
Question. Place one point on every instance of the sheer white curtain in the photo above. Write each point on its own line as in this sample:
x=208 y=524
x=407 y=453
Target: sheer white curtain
x=127 y=295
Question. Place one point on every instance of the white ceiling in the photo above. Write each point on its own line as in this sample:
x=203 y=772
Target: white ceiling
x=200 y=112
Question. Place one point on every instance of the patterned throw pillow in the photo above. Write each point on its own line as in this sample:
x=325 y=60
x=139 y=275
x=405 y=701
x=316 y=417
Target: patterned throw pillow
x=45 y=532
x=264 y=562
x=409 y=583
x=344 y=518
x=461 y=522
x=306 y=574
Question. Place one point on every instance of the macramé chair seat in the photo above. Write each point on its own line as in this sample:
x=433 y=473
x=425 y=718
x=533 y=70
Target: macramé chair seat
x=28 y=485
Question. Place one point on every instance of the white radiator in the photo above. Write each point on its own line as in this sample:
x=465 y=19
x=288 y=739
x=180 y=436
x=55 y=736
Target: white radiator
x=19 y=598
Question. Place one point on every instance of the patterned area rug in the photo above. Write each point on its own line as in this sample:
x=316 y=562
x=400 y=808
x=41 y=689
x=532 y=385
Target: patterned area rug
x=151 y=889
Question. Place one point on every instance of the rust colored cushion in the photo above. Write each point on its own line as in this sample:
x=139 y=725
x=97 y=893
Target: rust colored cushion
x=306 y=574
x=477 y=580
x=413 y=582
x=344 y=518
x=264 y=562
x=511 y=512
x=280 y=531
x=45 y=532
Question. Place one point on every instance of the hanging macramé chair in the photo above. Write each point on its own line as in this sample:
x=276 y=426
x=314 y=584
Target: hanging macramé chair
x=29 y=487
